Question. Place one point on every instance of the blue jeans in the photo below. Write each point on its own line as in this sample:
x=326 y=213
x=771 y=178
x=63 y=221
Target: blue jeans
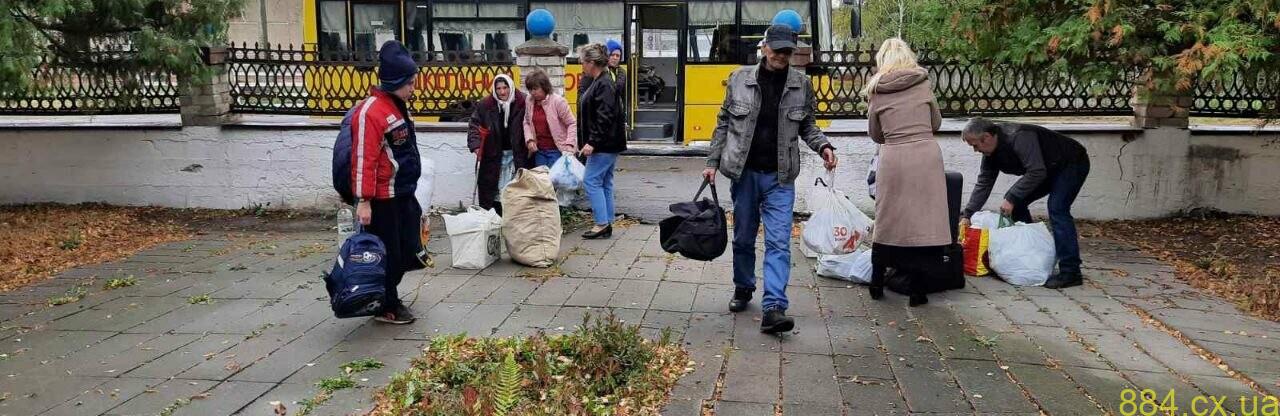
x=1062 y=187
x=546 y=157
x=758 y=196
x=598 y=183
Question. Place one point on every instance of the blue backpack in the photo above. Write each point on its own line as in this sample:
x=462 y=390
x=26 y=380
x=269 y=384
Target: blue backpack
x=355 y=284
x=342 y=160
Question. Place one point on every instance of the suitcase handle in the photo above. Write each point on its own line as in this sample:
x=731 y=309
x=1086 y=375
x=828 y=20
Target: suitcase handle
x=714 y=195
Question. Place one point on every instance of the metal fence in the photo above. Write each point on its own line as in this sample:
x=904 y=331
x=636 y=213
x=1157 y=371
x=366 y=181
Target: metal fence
x=1002 y=90
x=95 y=83
x=1254 y=93
x=967 y=89
x=305 y=81
x=286 y=80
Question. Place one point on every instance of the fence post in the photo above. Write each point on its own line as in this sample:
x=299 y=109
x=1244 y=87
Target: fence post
x=207 y=102
x=541 y=52
x=1153 y=110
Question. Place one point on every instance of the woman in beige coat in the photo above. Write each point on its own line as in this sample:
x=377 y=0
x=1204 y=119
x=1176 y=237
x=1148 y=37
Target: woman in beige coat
x=911 y=193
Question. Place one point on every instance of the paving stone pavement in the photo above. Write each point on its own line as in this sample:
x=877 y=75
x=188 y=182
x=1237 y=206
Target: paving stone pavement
x=267 y=334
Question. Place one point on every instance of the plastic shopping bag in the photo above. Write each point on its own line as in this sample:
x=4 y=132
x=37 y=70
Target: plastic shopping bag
x=476 y=238
x=836 y=226
x=854 y=267
x=988 y=220
x=1022 y=254
x=976 y=242
x=567 y=173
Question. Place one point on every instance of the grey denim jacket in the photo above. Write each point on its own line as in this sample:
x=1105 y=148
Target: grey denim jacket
x=736 y=124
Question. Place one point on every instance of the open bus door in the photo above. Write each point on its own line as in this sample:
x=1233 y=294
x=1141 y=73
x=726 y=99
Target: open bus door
x=655 y=40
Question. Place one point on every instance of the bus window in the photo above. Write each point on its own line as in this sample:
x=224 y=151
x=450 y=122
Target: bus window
x=711 y=31
x=756 y=16
x=579 y=23
x=463 y=25
x=333 y=26
x=374 y=24
x=416 y=14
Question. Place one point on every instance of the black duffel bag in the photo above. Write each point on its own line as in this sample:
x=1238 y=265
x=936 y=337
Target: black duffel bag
x=698 y=229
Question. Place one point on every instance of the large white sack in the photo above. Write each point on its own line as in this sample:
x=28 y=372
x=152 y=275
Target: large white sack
x=475 y=237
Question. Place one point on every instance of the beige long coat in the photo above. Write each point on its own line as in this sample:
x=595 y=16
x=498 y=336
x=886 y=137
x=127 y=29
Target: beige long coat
x=911 y=189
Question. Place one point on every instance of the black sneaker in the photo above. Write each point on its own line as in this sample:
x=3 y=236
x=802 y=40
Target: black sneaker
x=776 y=321
x=1064 y=280
x=400 y=315
x=741 y=298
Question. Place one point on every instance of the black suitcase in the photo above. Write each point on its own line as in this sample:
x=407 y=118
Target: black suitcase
x=948 y=273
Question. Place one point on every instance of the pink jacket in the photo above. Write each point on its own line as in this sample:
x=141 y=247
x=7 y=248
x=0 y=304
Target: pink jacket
x=564 y=127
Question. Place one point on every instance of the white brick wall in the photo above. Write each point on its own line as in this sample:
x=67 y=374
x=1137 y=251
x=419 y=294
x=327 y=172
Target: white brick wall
x=1158 y=172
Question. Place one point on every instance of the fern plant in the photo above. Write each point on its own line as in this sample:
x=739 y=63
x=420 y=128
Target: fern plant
x=507 y=392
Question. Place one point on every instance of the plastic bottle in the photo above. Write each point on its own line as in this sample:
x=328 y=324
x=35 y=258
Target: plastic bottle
x=346 y=222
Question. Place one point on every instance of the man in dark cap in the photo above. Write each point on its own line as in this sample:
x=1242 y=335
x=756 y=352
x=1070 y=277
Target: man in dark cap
x=766 y=108
x=385 y=166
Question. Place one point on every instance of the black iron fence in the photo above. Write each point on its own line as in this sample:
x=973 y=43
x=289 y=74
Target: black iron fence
x=1254 y=93
x=305 y=81
x=95 y=83
x=967 y=89
x=288 y=80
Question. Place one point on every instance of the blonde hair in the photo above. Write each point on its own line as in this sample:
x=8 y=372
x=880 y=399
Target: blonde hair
x=894 y=54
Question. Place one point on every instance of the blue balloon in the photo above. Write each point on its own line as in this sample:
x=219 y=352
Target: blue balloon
x=540 y=23
x=790 y=18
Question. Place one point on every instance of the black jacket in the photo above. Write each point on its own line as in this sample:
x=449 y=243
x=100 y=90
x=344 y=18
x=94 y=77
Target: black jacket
x=600 y=117
x=1033 y=152
x=486 y=133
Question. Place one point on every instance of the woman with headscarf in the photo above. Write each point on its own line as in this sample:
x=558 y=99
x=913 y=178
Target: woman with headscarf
x=912 y=225
x=600 y=136
x=496 y=137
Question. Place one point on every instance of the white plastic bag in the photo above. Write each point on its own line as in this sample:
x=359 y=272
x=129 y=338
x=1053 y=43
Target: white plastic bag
x=836 y=226
x=476 y=238
x=1022 y=254
x=984 y=220
x=425 y=181
x=854 y=267
x=567 y=173
x=567 y=198
x=804 y=248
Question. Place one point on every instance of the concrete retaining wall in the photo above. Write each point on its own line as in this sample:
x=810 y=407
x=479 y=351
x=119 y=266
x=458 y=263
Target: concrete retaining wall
x=1135 y=173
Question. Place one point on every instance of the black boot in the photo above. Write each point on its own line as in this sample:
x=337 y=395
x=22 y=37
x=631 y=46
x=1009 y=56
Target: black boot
x=776 y=321
x=925 y=268
x=1064 y=280
x=741 y=298
x=878 y=270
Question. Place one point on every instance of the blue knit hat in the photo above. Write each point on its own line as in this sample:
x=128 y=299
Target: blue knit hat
x=395 y=66
x=612 y=45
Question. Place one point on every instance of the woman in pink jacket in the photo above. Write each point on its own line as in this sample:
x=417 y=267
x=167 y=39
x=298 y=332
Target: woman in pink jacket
x=549 y=127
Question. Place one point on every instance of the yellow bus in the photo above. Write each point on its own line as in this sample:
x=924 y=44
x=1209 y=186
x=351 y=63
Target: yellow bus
x=678 y=54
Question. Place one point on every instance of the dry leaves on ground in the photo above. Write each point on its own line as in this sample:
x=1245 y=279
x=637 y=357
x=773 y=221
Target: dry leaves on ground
x=39 y=241
x=1234 y=256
